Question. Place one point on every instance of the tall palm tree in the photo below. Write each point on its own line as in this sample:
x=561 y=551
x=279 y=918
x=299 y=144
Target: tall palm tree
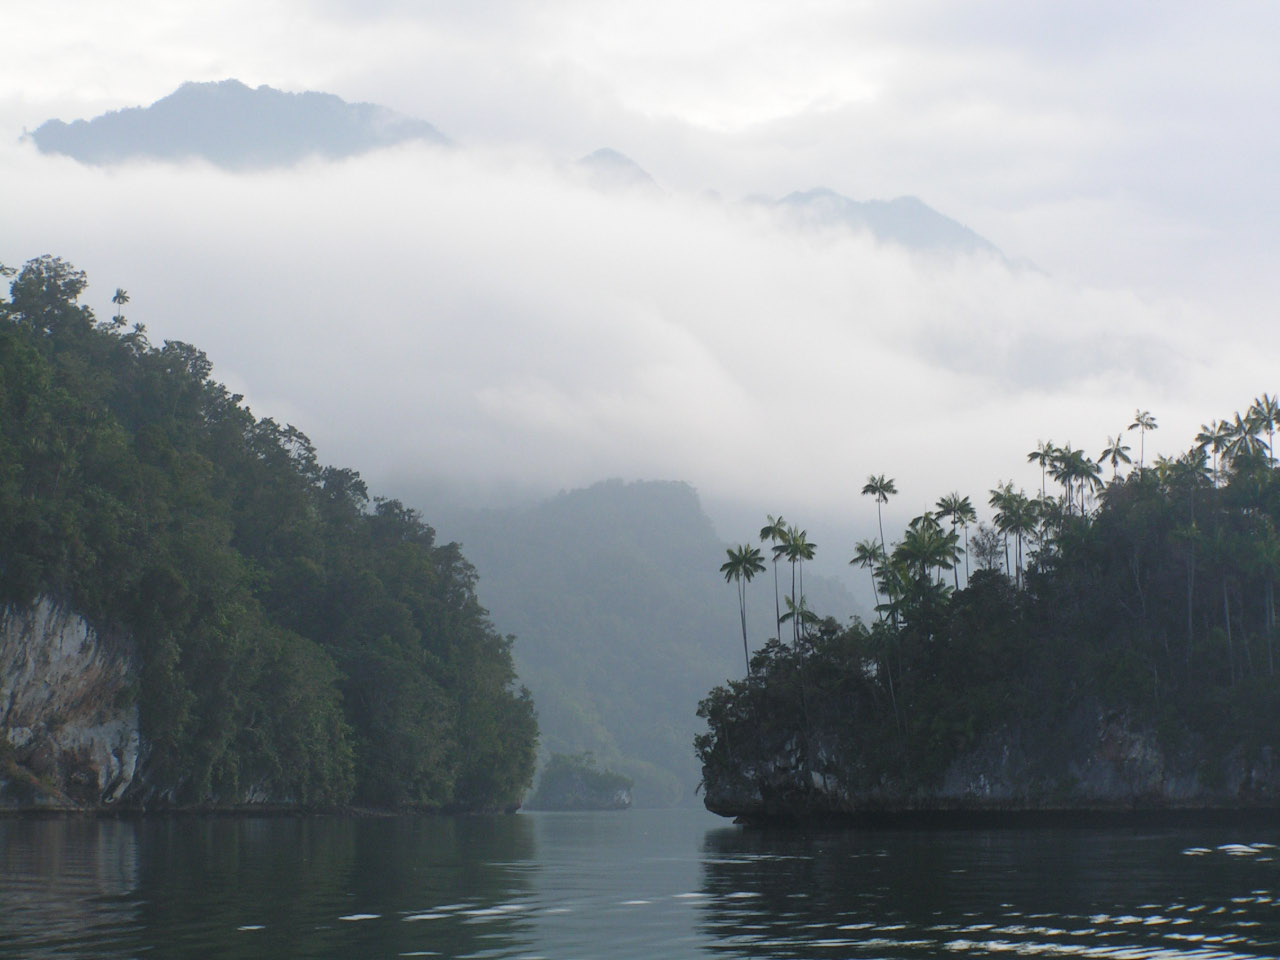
x=869 y=555
x=801 y=617
x=119 y=298
x=774 y=531
x=1214 y=436
x=743 y=564
x=1077 y=473
x=1060 y=469
x=927 y=547
x=1266 y=412
x=798 y=549
x=1142 y=422
x=966 y=514
x=1043 y=454
x=952 y=507
x=1021 y=517
x=1244 y=443
x=1116 y=453
x=882 y=488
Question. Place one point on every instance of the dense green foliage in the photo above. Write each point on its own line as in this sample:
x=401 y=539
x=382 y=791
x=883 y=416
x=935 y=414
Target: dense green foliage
x=576 y=783
x=297 y=641
x=1152 y=595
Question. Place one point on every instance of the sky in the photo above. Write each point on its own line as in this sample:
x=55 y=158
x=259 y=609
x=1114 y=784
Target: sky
x=482 y=320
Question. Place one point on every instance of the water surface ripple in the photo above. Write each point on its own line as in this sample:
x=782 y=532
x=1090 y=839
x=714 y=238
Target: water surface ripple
x=640 y=884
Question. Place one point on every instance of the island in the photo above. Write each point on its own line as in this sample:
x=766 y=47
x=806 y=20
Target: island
x=574 y=782
x=1106 y=651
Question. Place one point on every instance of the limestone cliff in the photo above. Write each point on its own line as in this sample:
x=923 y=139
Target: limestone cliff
x=68 y=714
x=1097 y=762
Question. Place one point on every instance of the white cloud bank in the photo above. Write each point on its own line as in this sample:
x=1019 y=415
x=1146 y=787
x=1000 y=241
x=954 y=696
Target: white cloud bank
x=487 y=319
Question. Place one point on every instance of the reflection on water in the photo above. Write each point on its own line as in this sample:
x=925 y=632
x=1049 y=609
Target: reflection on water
x=641 y=884
x=911 y=894
x=279 y=887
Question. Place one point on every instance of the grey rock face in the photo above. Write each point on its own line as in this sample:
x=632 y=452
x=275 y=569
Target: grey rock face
x=1111 y=765
x=67 y=710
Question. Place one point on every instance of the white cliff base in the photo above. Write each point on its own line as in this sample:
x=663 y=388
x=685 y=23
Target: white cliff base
x=68 y=714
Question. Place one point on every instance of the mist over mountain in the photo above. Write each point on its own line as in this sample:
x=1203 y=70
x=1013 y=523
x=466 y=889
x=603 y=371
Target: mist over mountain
x=906 y=221
x=622 y=620
x=232 y=125
x=607 y=169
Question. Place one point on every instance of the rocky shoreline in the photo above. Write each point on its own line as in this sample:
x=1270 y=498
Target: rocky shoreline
x=1113 y=772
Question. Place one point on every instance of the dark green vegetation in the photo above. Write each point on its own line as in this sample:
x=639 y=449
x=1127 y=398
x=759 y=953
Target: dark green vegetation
x=622 y=620
x=576 y=783
x=1150 y=597
x=298 y=641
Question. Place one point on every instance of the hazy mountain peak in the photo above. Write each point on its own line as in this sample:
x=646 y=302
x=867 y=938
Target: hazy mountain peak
x=233 y=125
x=608 y=169
x=907 y=221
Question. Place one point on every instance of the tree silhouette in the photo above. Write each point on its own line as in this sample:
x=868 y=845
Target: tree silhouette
x=1044 y=454
x=1214 y=436
x=869 y=555
x=882 y=488
x=743 y=564
x=775 y=532
x=119 y=298
x=1142 y=422
x=1116 y=453
x=1266 y=413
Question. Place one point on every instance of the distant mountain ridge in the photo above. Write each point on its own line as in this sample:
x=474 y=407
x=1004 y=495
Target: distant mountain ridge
x=621 y=618
x=608 y=169
x=907 y=221
x=234 y=126
x=237 y=127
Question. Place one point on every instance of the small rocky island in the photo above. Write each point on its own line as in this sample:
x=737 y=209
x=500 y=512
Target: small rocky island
x=1110 y=651
x=574 y=782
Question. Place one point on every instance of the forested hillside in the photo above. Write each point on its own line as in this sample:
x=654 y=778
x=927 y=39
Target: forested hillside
x=299 y=641
x=1117 y=644
x=623 y=618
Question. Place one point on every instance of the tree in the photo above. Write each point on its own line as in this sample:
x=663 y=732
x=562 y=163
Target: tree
x=869 y=555
x=1116 y=453
x=1142 y=422
x=119 y=298
x=1244 y=443
x=1017 y=515
x=1214 y=436
x=1265 y=412
x=775 y=532
x=797 y=549
x=882 y=488
x=743 y=564
x=961 y=513
x=926 y=547
x=1044 y=454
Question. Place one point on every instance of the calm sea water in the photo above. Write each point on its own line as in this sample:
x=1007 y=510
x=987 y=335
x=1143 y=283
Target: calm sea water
x=648 y=884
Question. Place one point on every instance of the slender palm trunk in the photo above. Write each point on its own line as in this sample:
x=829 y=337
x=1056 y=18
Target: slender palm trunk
x=795 y=617
x=880 y=520
x=777 y=604
x=955 y=567
x=742 y=609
